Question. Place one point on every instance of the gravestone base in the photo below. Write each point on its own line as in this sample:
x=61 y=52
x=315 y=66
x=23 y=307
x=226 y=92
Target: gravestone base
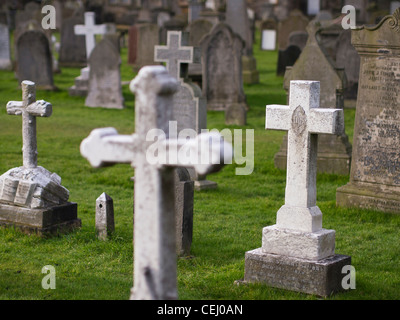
x=249 y=70
x=334 y=155
x=322 y=278
x=200 y=185
x=369 y=196
x=81 y=86
x=236 y=114
x=43 y=222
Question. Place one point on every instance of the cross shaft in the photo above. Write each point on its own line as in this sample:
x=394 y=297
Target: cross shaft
x=29 y=109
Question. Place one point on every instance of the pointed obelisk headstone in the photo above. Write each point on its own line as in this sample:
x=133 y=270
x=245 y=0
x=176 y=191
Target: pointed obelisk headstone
x=105 y=225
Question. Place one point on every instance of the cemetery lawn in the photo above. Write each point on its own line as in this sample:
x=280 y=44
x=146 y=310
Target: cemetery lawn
x=228 y=221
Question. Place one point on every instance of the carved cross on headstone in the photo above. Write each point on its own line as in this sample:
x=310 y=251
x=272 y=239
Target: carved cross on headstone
x=154 y=226
x=304 y=120
x=90 y=30
x=176 y=53
x=29 y=108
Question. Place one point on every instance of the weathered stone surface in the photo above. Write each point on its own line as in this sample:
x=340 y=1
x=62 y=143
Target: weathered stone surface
x=72 y=46
x=104 y=87
x=222 y=69
x=142 y=40
x=374 y=177
x=295 y=22
x=5 y=53
x=237 y=18
x=184 y=200
x=348 y=59
x=298 y=245
x=154 y=199
x=105 y=225
x=334 y=152
x=35 y=62
x=322 y=278
x=31 y=197
x=43 y=222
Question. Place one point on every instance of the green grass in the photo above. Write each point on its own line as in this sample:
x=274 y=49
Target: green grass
x=228 y=221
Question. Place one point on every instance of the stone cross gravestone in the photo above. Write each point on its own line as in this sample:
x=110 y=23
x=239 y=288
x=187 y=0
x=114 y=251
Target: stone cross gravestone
x=222 y=73
x=32 y=198
x=105 y=88
x=142 y=40
x=90 y=30
x=154 y=214
x=105 y=225
x=237 y=18
x=297 y=253
x=5 y=53
x=34 y=59
x=334 y=151
x=374 y=177
x=190 y=108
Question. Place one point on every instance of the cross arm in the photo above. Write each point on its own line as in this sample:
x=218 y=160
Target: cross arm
x=15 y=108
x=106 y=147
x=278 y=117
x=39 y=108
x=328 y=121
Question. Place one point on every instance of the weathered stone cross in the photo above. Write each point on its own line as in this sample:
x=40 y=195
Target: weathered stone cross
x=304 y=120
x=154 y=199
x=29 y=108
x=175 y=53
x=90 y=30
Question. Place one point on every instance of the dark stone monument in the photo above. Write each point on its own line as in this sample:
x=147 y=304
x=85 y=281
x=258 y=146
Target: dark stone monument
x=35 y=60
x=184 y=197
x=72 y=46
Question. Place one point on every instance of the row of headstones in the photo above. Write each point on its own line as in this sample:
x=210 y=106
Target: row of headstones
x=297 y=241
x=290 y=36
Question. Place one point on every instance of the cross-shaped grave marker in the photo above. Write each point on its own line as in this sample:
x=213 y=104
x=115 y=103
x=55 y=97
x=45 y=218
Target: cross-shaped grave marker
x=90 y=30
x=296 y=253
x=175 y=54
x=304 y=120
x=31 y=197
x=154 y=199
x=29 y=108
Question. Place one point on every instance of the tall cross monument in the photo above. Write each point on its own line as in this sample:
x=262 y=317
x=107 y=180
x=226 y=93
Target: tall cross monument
x=154 y=199
x=297 y=253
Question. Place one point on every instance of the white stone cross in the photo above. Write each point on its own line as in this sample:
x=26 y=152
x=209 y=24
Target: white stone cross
x=304 y=120
x=29 y=108
x=90 y=30
x=154 y=199
x=175 y=53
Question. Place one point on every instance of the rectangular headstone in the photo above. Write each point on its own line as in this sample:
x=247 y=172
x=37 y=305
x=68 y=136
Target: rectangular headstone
x=374 y=176
x=105 y=88
x=5 y=53
x=34 y=59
